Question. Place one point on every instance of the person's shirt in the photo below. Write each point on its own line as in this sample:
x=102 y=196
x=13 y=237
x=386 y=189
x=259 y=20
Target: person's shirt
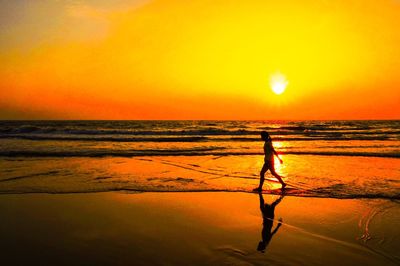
x=268 y=150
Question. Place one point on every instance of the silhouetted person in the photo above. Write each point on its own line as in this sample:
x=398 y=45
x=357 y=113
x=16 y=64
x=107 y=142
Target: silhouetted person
x=269 y=164
x=267 y=211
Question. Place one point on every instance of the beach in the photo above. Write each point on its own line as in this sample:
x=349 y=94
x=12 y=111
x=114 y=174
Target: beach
x=207 y=228
x=180 y=192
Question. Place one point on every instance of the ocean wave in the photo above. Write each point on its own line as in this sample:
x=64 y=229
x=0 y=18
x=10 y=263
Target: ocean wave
x=176 y=138
x=214 y=151
x=205 y=129
x=120 y=131
x=112 y=138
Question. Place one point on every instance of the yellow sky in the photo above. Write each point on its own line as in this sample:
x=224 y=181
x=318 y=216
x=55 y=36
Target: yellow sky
x=199 y=59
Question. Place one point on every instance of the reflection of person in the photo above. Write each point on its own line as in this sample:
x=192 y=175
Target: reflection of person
x=268 y=222
x=269 y=152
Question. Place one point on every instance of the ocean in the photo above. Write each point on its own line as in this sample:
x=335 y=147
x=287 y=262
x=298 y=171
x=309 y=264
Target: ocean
x=340 y=159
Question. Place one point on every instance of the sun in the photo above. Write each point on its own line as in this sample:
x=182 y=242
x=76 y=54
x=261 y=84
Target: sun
x=278 y=83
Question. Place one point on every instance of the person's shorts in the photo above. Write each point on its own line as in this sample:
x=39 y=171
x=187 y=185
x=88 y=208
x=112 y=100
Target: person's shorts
x=269 y=162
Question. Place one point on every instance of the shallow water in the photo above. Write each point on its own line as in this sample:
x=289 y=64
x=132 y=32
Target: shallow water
x=317 y=176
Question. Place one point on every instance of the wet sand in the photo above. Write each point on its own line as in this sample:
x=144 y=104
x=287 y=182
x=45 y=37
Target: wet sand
x=316 y=176
x=211 y=228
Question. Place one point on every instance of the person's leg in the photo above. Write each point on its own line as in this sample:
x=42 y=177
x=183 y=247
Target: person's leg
x=274 y=173
x=264 y=169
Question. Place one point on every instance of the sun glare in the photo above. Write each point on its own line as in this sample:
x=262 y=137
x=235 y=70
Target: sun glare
x=278 y=83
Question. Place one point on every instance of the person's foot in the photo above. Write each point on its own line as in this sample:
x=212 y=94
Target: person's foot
x=257 y=189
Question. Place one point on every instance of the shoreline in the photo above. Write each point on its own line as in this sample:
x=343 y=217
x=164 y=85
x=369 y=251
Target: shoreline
x=115 y=228
x=272 y=192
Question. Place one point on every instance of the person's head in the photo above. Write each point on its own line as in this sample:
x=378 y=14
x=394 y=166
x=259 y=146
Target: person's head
x=265 y=136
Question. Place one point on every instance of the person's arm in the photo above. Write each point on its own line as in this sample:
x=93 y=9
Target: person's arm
x=277 y=227
x=277 y=201
x=277 y=155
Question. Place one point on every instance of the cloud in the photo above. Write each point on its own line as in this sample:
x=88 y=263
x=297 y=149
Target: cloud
x=100 y=9
x=25 y=24
x=85 y=11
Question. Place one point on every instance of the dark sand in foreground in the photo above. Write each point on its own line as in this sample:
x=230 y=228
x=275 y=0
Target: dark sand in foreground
x=194 y=229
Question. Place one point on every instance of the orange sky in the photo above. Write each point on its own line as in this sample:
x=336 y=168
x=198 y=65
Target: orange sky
x=199 y=59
